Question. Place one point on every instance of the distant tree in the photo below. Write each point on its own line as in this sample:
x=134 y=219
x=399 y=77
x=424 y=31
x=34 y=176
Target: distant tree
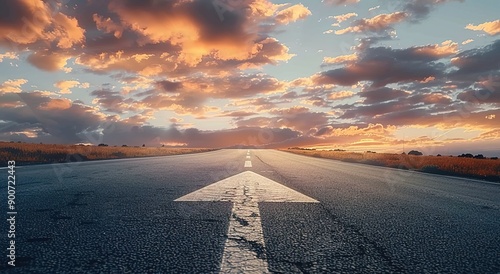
x=416 y=153
x=466 y=155
x=143 y=145
x=163 y=145
x=102 y=145
x=439 y=155
x=479 y=156
x=494 y=158
x=124 y=146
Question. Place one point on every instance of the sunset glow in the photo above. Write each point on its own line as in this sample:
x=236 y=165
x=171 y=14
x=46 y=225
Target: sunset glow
x=384 y=76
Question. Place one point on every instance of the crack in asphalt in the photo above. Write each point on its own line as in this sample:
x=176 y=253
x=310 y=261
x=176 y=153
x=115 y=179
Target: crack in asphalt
x=240 y=220
x=253 y=246
x=379 y=249
x=348 y=228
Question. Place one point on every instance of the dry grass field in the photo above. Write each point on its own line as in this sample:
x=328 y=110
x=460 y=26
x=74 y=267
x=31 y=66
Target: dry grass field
x=487 y=169
x=25 y=153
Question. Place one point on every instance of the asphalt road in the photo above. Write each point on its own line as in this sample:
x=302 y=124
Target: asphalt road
x=119 y=216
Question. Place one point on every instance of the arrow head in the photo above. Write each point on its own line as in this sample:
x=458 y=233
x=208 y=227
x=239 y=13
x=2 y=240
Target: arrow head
x=233 y=189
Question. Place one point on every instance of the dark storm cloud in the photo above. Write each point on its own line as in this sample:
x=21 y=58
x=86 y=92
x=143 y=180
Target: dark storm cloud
x=383 y=66
x=382 y=94
x=475 y=61
x=169 y=86
x=63 y=120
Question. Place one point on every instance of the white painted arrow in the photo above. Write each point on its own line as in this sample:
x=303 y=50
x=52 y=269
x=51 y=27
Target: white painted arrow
x=244 y=250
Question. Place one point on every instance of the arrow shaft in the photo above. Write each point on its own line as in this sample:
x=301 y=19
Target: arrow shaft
x=244 y=250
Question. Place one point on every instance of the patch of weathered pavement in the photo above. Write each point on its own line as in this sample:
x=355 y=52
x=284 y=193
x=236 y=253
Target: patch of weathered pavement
x=120 y=233
x=306 y=238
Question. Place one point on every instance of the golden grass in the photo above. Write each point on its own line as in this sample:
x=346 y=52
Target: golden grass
x=24 y=153
x=456 y=166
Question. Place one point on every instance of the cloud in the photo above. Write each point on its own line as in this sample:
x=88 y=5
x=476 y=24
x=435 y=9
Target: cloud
x=480 y=96
x=420 y=9
x=50 y=120
x=30 y=21
x=196 y=28
x=56 y=104
x=49 y=61
x=130 y=134
x=491 y=28
x=382 y=94
x=176 y=36
x=169 y=86
x=340 y=2
x=84 y=85
x=468 y=41
x=445 y=49
x=108 y=26
x=12 y=86
x=340 y=59
x=339 y=95
x=292 y=14
x=377 y=24
x=371 y=130
x=113 y=101
x=412 y=11
x=383 y=65
x=471 y=63
x=295 y=118
x=8 y=55
x=343 y=17
x=65 y=86
x=236 y=114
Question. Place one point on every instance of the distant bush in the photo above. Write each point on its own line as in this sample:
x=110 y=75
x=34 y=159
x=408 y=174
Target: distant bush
x=416 y=153
x=466 y=155
x=102 y=145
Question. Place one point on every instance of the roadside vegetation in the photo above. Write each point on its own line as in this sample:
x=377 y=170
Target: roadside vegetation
x=25 y=153
x=465 y=165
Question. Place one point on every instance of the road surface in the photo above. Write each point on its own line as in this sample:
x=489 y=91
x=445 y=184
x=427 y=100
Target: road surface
x=126 y=216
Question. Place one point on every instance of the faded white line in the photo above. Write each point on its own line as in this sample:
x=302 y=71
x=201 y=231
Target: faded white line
x=244 y=250
x=248 y=157
x=248 y=164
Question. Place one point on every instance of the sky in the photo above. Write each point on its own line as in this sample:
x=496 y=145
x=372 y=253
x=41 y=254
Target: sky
x=385 y=76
